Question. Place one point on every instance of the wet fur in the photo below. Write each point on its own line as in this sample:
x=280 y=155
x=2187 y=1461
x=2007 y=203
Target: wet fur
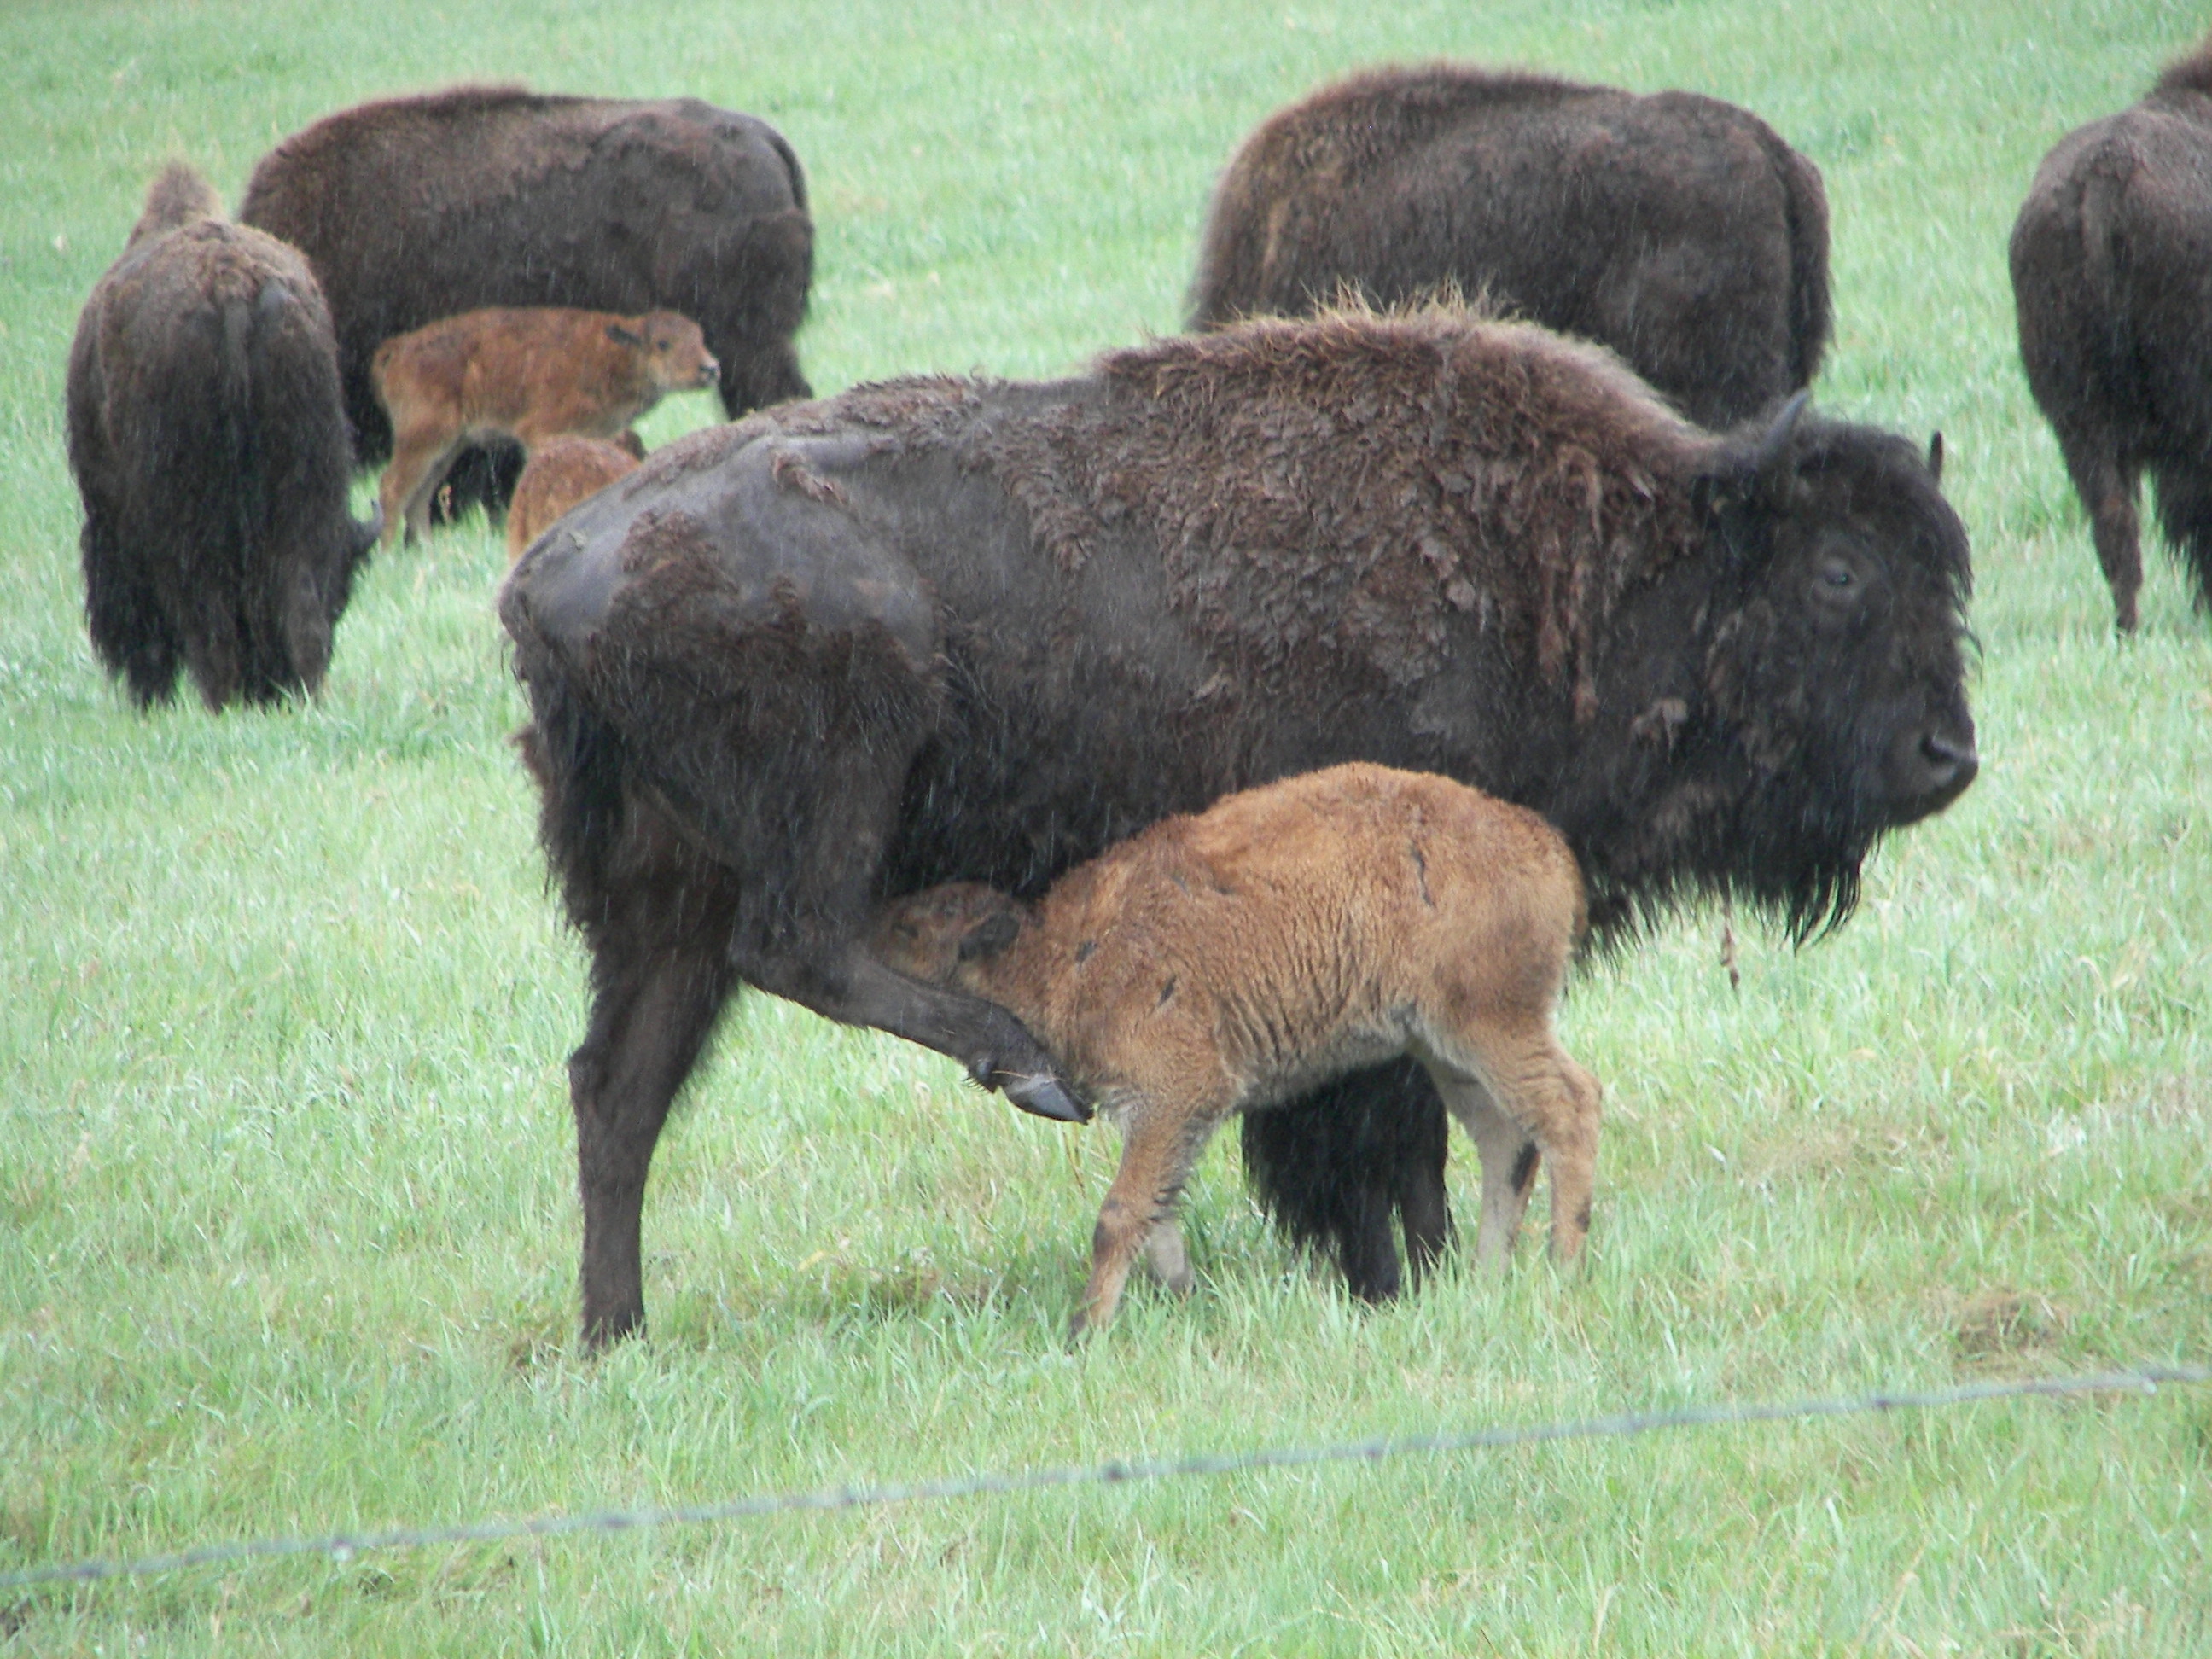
x=210 y=448
x=949 y=631
x=1679 y=230
x=2113 y=292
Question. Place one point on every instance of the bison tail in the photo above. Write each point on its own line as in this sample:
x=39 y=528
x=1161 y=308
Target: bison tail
x=576 y=760
x=240 y=434
x=1810 y=317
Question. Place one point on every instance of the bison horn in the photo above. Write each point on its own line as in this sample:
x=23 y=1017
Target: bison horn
x=1771 y=465
x=1936 y=456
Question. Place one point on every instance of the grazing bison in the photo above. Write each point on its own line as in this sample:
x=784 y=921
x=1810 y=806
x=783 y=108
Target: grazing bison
x=564 y=472
x=210 y=446
x=957 y=630
x=2111 y=274
x=414 y=209
x=529 y=374
x=1679 y=230
x=1222 y=962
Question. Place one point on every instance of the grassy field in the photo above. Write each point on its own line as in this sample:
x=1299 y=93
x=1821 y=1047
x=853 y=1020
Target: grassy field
x=287 y=1223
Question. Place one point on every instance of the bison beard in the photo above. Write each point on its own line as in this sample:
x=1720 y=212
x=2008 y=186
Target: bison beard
x=942 y=631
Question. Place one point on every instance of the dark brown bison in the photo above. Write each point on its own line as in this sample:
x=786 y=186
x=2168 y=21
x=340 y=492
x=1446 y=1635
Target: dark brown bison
x=1679 y=230
x=2112 y=274
x=210 y=446
x=414 y=209
x=956 y=631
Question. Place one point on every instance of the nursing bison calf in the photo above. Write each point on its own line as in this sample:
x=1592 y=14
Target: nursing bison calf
x=1679 y=230
x=529 y=374
x=563 y=472
x=2112 y=276
x=210 y=448
x=965 y=630
x=1223 y=963
x=417 y=208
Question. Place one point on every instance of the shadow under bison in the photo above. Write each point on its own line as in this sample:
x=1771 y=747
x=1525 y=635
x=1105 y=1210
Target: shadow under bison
x=944 y=630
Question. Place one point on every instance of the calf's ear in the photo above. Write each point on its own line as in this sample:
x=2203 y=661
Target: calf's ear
x=989 y=936
x=622 y=335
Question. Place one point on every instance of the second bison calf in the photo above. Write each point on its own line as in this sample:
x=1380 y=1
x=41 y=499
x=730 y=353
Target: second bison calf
x=526 y=372
x=564 y=472
x=1232 y=960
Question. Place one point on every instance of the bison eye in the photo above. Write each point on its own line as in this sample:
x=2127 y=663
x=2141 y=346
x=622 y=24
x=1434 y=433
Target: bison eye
x=1836 y=575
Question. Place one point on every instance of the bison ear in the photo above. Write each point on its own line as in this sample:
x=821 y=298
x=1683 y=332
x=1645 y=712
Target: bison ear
x=622 y=335
x=990 y=936
x=1936 y=457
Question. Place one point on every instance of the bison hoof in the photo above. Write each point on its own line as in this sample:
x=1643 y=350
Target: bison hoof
x=1041 y=1096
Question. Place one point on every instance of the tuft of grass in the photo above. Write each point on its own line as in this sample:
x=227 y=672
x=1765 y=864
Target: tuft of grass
x=288 y=1230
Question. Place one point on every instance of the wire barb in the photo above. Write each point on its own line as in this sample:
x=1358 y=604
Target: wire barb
x=342 y=1547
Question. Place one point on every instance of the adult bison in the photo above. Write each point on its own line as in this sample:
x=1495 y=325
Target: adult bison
x=414 y=209
x=2111 y=274
x=210 y=451
x=1679 y=230
x=948 y=630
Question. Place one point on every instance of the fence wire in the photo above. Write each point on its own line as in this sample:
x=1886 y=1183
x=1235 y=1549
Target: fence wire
x=342 y=1547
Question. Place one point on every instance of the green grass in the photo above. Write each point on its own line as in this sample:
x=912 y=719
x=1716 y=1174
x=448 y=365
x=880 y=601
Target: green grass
x=287 y=1224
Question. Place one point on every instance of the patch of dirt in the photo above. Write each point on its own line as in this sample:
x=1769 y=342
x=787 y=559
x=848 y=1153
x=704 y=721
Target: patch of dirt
x=1996 y=1327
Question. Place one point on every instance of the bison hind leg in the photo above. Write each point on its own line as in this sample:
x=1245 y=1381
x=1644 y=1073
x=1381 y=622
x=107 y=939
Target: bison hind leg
x=2185 y=513
x=2107 y=485
x=131 y=631
x=1342 y=1168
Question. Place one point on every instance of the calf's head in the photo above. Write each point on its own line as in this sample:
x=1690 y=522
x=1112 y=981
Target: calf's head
x=948 y=935
x=672 y=350
x=1833 y=672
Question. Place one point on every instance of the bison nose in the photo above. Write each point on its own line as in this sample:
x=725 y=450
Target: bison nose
x=1932 y=770
x=709 y=372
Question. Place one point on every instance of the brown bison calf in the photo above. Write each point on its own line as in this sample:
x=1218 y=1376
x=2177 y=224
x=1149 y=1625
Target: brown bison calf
x=565 y=471
x=210 y=446
x=1229 y=960
x=529 y=374
x=2111 y=274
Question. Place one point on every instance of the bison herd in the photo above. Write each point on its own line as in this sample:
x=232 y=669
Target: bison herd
x=1121 y=736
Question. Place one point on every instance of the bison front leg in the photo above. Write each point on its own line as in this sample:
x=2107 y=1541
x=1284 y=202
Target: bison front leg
x=660 y=975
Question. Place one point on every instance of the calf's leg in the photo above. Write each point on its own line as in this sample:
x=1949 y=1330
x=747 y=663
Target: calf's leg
x=1533 y=1083
x=1161 y=1140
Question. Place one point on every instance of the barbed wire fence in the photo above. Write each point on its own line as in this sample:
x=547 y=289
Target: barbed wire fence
x=342 y=1547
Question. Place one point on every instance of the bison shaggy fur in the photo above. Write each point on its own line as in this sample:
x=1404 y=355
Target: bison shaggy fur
x=1679 y=230
x=2112 y=276
x=211 y=450
x=414 y=209
x=964 y=630
x=1222 y=961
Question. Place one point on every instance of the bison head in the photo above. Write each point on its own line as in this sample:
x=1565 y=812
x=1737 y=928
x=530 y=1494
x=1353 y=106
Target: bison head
x=674 y=350
x=1830 y=703
x=945 y=934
